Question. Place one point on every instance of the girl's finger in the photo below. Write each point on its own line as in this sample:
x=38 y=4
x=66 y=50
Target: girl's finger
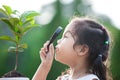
x=51 y=49
x=45 y=45
x=42 y=53
x=42 y=56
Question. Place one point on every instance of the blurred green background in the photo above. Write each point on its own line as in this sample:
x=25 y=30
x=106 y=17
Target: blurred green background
x=58 y=14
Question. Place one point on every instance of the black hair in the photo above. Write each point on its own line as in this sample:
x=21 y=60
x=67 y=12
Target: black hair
x=95 y=36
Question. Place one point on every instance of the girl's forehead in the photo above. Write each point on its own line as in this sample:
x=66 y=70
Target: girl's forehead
x=69 y=27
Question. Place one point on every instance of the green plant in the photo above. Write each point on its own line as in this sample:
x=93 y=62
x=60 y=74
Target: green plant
x=19 y=24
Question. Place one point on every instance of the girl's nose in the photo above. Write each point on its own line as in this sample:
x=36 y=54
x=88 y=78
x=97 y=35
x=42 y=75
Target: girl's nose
x=58 y=41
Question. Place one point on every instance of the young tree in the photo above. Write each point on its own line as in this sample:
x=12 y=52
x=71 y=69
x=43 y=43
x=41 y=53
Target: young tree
x=19 y=24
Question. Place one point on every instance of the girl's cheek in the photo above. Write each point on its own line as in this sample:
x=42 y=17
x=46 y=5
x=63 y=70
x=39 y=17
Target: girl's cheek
x=61 y=45
x=60 y=42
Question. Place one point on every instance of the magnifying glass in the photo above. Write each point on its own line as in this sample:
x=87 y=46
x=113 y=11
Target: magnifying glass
x=54 y=36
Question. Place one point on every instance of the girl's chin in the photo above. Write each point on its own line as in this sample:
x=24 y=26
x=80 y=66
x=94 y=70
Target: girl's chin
x=57 y=59
x=60 y=61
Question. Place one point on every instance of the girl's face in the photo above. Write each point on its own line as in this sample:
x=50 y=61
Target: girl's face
x=65 y=52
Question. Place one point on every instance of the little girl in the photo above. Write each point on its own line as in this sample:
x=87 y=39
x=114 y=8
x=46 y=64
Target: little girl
x=83 y=47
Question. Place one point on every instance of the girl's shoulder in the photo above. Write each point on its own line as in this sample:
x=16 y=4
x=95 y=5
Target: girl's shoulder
x=87 y=77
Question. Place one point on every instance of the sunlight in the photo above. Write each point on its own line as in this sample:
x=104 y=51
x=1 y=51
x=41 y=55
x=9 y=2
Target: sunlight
x=29 y=5
x=25 y=5
x=109 y=8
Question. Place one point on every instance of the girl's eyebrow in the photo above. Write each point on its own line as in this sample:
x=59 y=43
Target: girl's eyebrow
x=67 y=32
x=70 y=33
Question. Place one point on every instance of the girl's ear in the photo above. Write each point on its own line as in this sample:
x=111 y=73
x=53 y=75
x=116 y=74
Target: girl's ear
x=81 y=49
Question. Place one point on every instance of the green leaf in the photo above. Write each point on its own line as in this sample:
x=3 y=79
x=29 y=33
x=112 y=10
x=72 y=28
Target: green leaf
x=8 y=38
x=17 y=37
x=28 y=14
x=23 y=45
x=14 y=21
x=30 y=26
x=8 y=23
x=20 y=50
x=3 y=12
x=12 y=49
x=34 y=25
x=15 y=11
x=32 y=22
x=8 y=9
x=26 y=29
x=26 y=22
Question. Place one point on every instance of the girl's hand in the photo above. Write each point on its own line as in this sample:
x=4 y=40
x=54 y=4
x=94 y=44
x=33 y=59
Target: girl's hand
x=47 y=58
x=45 y=66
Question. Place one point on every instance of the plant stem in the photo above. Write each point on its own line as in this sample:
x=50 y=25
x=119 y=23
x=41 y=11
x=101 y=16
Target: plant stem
x=16 y=61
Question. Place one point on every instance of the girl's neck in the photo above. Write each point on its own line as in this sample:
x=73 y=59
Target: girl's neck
x=78 y=72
